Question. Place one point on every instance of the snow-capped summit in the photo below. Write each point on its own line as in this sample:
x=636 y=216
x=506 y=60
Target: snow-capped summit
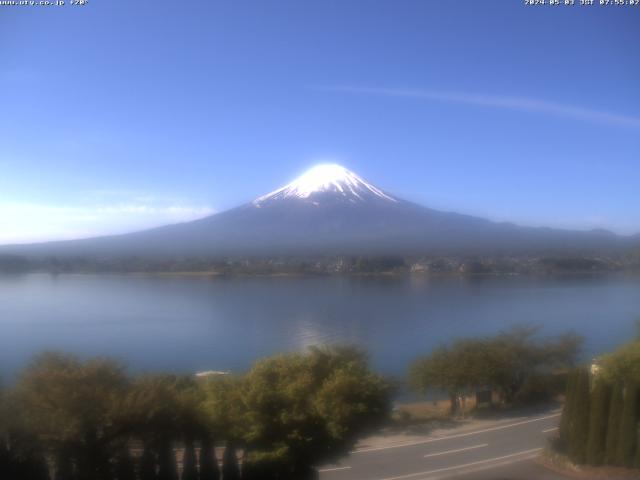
x=327 y=181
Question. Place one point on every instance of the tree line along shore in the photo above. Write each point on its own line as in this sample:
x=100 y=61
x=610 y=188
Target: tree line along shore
x=558 y=263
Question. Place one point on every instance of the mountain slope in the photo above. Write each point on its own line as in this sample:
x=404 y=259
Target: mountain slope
x=330 y=210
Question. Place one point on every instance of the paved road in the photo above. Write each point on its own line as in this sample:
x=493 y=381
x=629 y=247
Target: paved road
x=499 y=451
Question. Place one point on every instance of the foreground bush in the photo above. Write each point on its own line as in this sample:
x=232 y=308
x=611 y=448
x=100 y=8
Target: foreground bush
x=294 y=411
x=68 y=419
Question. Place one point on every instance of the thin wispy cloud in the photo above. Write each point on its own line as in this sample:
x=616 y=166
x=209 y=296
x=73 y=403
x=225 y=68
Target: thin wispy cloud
x=498 y=101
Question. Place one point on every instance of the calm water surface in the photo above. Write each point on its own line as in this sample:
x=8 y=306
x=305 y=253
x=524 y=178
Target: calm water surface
x=189 y=324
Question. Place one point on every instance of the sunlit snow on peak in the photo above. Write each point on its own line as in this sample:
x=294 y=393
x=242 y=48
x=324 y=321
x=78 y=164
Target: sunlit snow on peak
x=327 y=178
x=321 y=177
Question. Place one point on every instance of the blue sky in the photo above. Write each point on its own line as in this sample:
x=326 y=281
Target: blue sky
x=121 y=115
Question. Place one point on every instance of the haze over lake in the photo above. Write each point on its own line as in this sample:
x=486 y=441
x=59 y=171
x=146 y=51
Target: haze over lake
x=188 y=324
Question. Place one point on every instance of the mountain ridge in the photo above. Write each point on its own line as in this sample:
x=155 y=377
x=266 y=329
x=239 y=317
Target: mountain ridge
x=331 y=210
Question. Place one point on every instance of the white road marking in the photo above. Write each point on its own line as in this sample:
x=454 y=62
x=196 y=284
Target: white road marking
x=458 y=435
x=335 y=469
x=549 y=430
x=480 y=468
x=464 y=465
x=456 y=450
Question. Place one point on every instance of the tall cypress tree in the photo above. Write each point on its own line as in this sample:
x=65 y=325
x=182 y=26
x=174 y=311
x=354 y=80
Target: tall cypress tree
x=249 y=470
x=38 y=466
x=147 y=465
x=209 y=469
x=124 y=466
x=579 y=427
x=167 y=468
x=5 y=458
x=567 y=411
x=600 y=398
x=92 y=461
x=64 y=465
x=230 y=468
x=189 y=469
x=31 y=465
x=628 y=426
x=615 y=417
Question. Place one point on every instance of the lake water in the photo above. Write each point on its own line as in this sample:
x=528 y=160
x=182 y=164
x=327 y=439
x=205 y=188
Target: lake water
x=188 y=324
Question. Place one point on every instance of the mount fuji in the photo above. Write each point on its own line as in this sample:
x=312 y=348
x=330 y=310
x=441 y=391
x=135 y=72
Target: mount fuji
x=331 y=210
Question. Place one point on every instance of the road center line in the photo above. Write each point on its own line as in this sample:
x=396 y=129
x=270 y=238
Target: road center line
x=464 y=465
x=458 y=435
x=549 y=430
x=335 y=469
x=428 y=455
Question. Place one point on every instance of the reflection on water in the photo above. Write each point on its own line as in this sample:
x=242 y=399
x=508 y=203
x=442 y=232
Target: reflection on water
x=189 y=324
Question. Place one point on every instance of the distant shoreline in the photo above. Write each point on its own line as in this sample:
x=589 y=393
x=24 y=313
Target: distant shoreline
x=396 y=275
x=341 y=265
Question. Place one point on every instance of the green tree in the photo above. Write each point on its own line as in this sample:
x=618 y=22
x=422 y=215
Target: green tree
x=5 y=458
x=38 y=466
x=23 y=453
x=189 y=468
x=64 y=464
x=311 y=408
x=579 y=426
x=161 y=410
x=622 y=367
x=33 y=466
x=614 y=423
x=124 y=469
x=443 y=371
x=568 y=411
x=230 y=468
x=623 y=364
x=225 y=405
x=71 y=404
x=167 y=468
x=264 y=465
x=600 y=398
x=209 y=469
x=517 y=357
x=152 y=409
x=628 y=426
x=507 y=362
x=27 y=457
x=148 y=464
x=298 y=410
